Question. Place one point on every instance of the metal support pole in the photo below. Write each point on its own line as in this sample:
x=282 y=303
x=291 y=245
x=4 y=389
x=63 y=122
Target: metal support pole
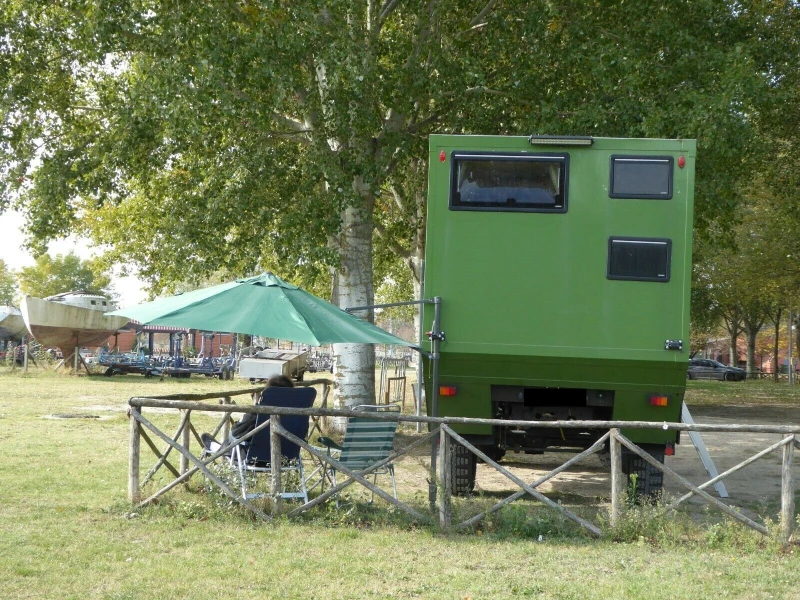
x=787 y=492
x=436 y=331
x=617 y=479
x=419 y=343
x=435 y=341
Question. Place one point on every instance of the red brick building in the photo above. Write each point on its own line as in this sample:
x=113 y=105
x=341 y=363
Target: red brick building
x=163 y=340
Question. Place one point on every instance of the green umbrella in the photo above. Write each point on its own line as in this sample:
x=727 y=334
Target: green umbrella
x=263 y=305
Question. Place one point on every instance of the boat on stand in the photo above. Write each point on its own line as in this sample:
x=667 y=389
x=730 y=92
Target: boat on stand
x=12 y=327
x=71 y=321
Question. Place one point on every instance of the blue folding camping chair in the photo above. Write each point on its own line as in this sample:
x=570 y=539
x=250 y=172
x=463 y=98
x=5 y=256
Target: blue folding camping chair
x=253 y=456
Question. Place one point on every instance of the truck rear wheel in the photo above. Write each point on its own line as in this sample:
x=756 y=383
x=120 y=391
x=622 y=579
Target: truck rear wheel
x=463 y=464
x=648 y=479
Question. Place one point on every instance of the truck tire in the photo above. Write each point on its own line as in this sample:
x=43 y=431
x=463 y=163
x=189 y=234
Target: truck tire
x=463 y=464
x=649 y=479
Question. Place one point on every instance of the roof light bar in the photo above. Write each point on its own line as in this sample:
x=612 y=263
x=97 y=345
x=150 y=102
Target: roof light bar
x=560 y=140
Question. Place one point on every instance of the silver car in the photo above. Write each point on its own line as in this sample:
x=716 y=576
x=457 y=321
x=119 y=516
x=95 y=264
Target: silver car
x=705 y=368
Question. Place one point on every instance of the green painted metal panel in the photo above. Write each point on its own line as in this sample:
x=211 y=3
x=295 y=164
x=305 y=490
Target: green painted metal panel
x=526 y=297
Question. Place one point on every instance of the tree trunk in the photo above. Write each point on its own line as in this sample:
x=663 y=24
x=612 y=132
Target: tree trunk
x=733 y=325
x=796 y=336
x=751 y=349
x=417 y=261
x=734 y=357
x=354 y=372
x=416 y=265
x=775 y=347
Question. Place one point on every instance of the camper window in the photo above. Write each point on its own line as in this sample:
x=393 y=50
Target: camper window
x=509 y=182
x=639 y=259
x=641 y=177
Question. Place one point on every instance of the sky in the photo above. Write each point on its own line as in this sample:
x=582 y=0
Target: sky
x=130 y=289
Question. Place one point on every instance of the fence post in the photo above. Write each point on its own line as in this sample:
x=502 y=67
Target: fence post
x=226 y=427
x=133 y=455
x=186 y=438
x=275 y=462
x=787 y=491
x=445 y=508
x=617 y=478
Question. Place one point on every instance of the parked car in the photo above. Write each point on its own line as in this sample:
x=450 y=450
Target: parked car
x=705 y=368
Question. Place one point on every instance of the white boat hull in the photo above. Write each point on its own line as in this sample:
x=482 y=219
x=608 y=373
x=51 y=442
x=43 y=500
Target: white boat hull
x=12 y=325
x=66 y=326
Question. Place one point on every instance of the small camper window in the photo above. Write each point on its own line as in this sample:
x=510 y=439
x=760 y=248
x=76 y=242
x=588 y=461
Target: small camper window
x=93 y=302
x=640 y=259
x=641 y=177
x=509 y=182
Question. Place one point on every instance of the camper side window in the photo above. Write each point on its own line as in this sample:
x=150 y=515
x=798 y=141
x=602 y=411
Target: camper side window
x=641 y=177
x=509 y=182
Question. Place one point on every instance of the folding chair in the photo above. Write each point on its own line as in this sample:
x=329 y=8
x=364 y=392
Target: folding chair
x=252 y=456
x=366 y=441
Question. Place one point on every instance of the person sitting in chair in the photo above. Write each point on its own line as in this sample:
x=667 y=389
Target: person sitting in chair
x=248 y=421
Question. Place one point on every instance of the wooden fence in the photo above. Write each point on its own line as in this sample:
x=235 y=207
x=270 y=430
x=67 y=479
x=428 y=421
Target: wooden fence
x=441 y=437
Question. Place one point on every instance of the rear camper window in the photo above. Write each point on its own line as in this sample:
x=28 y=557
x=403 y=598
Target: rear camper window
x=509 y=182
x=639 y=259
x=643 y=177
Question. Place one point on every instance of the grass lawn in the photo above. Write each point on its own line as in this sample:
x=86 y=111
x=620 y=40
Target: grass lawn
x=748 y=392
x=67 y=530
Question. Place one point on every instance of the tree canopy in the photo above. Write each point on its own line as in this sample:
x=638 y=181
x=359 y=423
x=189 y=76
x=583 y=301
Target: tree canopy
x=64 y=273
x=8 y=284
x=267 y=135
x=232 y=135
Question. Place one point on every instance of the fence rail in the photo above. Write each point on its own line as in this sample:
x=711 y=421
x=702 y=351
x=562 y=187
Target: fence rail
x=441 y=437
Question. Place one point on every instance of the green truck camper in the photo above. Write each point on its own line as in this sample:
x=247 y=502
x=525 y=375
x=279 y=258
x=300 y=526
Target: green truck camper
x=563 y=266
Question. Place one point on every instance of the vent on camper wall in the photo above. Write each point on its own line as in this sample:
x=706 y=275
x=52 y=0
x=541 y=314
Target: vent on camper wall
x=639 y=259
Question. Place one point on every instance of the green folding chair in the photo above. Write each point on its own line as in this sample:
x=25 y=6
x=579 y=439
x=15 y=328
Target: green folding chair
x=366 y=441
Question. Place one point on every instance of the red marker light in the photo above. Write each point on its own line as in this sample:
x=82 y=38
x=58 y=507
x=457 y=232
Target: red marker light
x=659 y=400
x=447 y=390
x=442 y=156
x=681 y=162
x=669 y=450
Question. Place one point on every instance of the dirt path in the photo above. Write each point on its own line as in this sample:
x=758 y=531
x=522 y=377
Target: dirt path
x=754 y=486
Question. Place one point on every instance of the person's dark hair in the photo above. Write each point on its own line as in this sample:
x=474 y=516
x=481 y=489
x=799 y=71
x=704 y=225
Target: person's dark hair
x=280 y=381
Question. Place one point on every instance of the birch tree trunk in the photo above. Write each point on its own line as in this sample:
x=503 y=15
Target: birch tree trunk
x=354 y=372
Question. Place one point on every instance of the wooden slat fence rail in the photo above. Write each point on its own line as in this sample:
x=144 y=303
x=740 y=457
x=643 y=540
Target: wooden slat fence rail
x=441 y=436
x=186 y=429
